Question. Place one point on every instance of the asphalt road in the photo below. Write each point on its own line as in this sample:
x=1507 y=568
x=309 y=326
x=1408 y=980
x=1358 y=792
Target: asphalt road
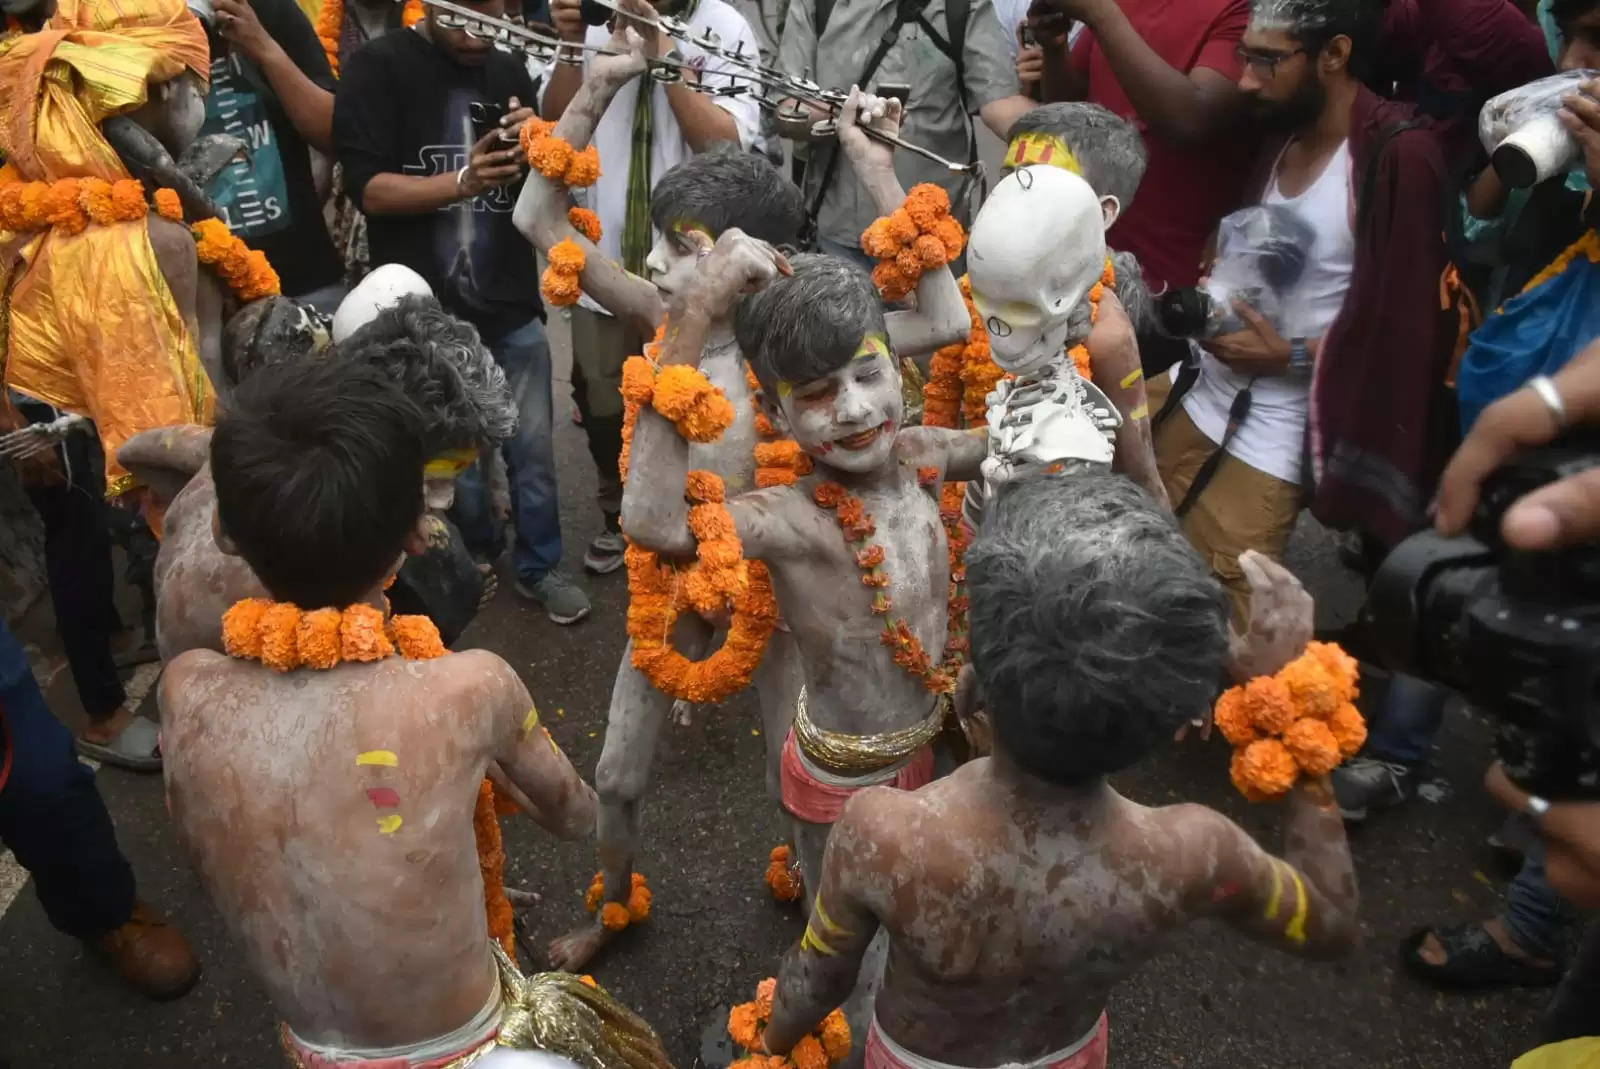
x=1210 y=1001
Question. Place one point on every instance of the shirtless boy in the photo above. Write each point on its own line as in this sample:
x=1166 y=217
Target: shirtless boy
x=329 y=812
x=693 y=204
x=1018 y=891
x=436 y=359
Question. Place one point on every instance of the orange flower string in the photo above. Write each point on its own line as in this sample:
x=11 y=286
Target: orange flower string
x=560 y=282
x=168 y=206
x=747 y=1023
x=584 y=222
x=492 y=868
x=1299 y=720
x=246 y=270
x=614 y=915
x=282 y=637
x=556 y=159
x=919 y=236
x=783 y=876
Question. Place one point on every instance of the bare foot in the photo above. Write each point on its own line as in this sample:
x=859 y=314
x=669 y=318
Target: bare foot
x=103 y=731
x=1433 y=952
x=573 y=952
x=491 y=585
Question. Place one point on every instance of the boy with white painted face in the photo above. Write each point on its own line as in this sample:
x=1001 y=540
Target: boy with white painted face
x=694 y=203
x=818 y=339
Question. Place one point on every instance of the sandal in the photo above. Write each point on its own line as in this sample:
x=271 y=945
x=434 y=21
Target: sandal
x=136 y=747
x=1473 y=960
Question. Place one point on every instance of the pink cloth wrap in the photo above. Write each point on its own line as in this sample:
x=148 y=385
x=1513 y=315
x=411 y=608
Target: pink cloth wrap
x=810 y=799
x=881 y=1053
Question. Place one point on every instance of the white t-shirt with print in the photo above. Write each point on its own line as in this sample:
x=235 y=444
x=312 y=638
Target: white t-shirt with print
x=1271 y=438
x=613 y=137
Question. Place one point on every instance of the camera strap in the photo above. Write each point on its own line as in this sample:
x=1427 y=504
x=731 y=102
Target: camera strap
x=1237 y=412
x=956 y=12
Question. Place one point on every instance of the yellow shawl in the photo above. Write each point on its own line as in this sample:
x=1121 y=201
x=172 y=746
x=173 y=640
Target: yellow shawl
x=87 y=321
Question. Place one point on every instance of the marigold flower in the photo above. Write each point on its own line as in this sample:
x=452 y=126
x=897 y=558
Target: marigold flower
x=94 y=197
x=768 y=988
x=808 y=1054
x=1315 y=693
x=951 y=235
x=705 y=487
x=1349 y=728
x=744 y=1026
x=62 y=210
x=1269 y=705
x=878 y=242
x=280 y=648
x=869 y=557
x=361 y=635
x=1313 y=746
x=785 y=883
x=1344 y=669
x=614 y=917
x=881 y=603
x=639 y=900
x=549 y=155
x=778 y=454
x=1233 y=720
x=836 y=1035
x=241 y=628
x=317 y=638
x=930 y=252
x=558 y=287
x=1268 y=766
x=829 y=495
x=566 y=256
x=638 y=380
x=588 y=981
x=584 y=222
x=35 y=205
x=708 y=419
x=875 y=580
x=890 y=281
x=902 y=227
x=168 y=204
x=417 y=637
x=928 y=477
x=583 y=169
x=1242 y=781
x=12 y=215
x=596 y=893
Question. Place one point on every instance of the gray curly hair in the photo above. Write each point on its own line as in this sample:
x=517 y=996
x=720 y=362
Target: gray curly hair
x=440 y=363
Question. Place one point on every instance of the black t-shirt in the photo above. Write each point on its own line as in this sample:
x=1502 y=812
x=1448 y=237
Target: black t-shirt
x=404 y=107
x=269 y=199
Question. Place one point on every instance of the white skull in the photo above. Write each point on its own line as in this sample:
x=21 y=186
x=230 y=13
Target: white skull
x=382 y=289
x=1037 y=247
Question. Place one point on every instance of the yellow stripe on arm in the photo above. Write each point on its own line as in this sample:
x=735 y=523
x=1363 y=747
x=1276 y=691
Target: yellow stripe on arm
x=1277 y=892
x=1132 y=377
x=385 y=758
x=1142 y=412
x=530 y=722
x=1296 y=931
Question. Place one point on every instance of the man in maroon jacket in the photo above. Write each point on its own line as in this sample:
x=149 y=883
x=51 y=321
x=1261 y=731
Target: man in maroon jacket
x=1347 y=378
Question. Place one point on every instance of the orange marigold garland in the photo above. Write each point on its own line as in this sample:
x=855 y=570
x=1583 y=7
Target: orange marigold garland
x=858 y=526
x=614 y=915
x=584 y=222
x=560 y=282
x=245 y=270
x=783 y=875
x=492 y=866
x=168 y=205
x=556 y=159
x=747 y=1022
x=1300 y=720
x=919 y=236
x=330 y=26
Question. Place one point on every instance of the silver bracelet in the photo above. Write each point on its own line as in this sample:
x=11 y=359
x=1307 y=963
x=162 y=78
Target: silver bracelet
x=1537 y=807
x=461 y=174
x=1545 y=389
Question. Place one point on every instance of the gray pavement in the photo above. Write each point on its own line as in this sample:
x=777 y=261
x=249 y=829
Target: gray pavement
x=1210 y=1001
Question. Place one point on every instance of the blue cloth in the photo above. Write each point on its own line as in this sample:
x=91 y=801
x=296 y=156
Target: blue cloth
x=1535 y=333
x=530 y=457
x=1407 y=721
x=1534 y=915
x=51 y=814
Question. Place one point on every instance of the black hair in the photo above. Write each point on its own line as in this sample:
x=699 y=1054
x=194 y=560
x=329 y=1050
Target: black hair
x=1096 y=628
x=441 y=363
x=726 y=187
x=803 y=326
x=1316 y=22
x=1566 y=12
x=318 y=472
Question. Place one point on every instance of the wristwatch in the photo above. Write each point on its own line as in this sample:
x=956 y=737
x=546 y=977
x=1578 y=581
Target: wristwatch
x=1299 y=355
x=1537 y=807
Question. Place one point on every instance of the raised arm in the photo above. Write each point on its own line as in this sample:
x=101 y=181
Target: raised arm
x=1305 y=902
x=542 y=207
x=940 y=317
x=819 y=972
x=166 y=458
x=560 y=801
x=1185 y=108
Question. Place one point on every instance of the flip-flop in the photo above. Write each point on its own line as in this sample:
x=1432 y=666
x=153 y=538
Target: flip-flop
x=136 y=747
x=1472 y=959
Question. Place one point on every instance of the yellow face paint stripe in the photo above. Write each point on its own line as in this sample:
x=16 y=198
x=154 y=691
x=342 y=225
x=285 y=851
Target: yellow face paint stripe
x=390 y=824
x=386 y=758
x=530 y=722
x=1142 y=412
x=1041 y=148
x=450 y=464
x=1277 y=893
x=1132 y=377
x=1296 y=931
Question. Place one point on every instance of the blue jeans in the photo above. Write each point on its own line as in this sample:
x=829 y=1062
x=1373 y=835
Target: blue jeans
x=530 y=455
x=1404 y=729
x=1534 y=915
x=51 y=813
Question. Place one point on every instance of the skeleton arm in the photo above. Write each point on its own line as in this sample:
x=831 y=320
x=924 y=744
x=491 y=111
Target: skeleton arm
x=541 y=211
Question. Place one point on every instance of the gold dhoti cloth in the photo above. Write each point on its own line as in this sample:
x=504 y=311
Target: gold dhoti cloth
x=87 y=321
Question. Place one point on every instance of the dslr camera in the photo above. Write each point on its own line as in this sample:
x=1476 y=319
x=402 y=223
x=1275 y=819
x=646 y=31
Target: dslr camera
x=1516 y=633
x=1261 y=254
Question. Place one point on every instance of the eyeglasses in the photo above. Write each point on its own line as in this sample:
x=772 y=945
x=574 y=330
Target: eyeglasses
x=1264 y=64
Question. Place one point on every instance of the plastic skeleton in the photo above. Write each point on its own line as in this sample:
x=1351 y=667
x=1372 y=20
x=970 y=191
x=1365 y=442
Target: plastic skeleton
x=1037 y=248
x=35 y=439
x=670 y=68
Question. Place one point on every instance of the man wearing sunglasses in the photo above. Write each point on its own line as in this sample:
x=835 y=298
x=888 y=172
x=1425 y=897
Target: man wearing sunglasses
x=426 y=124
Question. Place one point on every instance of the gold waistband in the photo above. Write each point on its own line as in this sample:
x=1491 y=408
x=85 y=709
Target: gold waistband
x=862 y=755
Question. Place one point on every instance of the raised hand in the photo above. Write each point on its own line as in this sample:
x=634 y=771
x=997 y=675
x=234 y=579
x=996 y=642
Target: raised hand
x=863 y=110
x=1280 y=619
x=736 y=265
x=628 y=64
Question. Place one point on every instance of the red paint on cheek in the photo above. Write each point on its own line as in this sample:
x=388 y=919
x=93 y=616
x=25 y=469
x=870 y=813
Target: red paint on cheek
x=1225 y=892
x=383 y=797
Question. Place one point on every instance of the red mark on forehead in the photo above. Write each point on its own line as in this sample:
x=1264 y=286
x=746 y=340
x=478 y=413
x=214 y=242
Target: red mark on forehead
x=383 y=797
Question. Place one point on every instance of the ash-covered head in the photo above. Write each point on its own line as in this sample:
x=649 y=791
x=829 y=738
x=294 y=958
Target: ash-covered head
x=1315 y=23
x=725 y=188
x=1096 y=628
x=441 y=363
x=804 y=326
x=1110 y=153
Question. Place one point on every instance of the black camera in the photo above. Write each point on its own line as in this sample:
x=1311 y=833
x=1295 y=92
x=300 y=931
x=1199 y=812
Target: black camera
x=1516 y=633
x=1261 y=254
